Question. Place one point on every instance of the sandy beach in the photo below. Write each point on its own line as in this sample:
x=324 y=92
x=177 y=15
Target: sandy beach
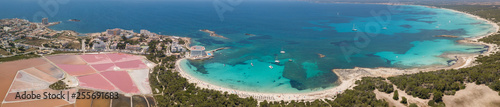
x=325 y=94
x=347 y=77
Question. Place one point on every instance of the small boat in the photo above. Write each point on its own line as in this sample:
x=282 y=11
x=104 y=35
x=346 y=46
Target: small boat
x=282 y=52
x=277 y=61
x=251 y=62
x=290 y=60
x=354 y=27
x=271 y=66
x=384 y=28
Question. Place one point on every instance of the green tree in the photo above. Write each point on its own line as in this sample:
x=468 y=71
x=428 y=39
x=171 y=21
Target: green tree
x=403 y=100
x=413 y=105
x=438 y=96
x=12 y=44
x=181 y=41
x=396 y=95
x=21 y=48
x=264 y=104
x=431 y=103
x=124 y=38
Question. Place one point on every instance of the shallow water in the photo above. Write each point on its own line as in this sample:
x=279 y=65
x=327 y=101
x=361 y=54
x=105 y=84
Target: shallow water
x=407 y=42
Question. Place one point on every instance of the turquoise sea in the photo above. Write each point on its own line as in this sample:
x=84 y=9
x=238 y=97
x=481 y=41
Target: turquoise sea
x=403 y=38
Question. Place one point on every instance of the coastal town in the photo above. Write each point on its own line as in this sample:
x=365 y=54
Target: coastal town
x=19 y=36
x=115 y=61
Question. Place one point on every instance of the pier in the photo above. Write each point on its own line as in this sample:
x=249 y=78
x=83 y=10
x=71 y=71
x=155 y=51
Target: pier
x=207 y=55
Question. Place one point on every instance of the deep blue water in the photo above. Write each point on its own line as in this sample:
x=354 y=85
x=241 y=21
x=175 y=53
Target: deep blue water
x=302 y=29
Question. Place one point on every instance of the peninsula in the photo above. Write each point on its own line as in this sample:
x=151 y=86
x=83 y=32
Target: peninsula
x=212 y=33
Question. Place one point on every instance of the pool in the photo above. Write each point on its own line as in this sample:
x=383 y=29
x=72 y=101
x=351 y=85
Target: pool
x=209 y=54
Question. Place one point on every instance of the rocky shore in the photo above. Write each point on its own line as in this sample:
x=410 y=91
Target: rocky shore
x=212 y=33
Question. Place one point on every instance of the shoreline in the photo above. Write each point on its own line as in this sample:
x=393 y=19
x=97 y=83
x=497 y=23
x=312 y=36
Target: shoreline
x=348 y=77
x=463 y=60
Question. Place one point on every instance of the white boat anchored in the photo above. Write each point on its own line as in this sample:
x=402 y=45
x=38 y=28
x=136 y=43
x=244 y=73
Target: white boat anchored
x=251 y=62
x=354 y=27
x=271 y=66
x=277 y=61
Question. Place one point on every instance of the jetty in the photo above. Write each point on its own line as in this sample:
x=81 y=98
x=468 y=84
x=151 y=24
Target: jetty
x=218 y=49
x=53 y=23
x=208 y=54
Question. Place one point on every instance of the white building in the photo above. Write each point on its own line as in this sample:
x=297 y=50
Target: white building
x=45 y=21
x=197 y=51
x=83 y=45
x=147 y=33
x=99 y=45
x=114 y=32
x=6 y=29
x=113 y=46
x=176 y=47
x=133 y=47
